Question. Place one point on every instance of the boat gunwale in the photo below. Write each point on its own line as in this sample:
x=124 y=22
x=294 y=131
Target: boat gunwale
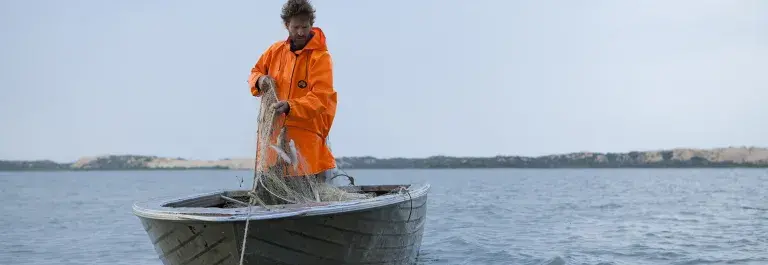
x=154 y=208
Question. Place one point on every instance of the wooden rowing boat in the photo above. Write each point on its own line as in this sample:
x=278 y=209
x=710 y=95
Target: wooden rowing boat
x=208 y=229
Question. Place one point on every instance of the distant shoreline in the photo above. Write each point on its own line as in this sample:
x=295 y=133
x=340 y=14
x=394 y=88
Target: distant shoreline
x=382 y=168
x=731 y=157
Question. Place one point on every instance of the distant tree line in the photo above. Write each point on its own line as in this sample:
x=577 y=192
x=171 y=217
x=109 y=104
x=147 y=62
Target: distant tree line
x=663 y=159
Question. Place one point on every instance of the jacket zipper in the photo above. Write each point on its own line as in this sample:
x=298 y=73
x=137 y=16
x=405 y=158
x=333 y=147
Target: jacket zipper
x=290 y=88
x=290 y=85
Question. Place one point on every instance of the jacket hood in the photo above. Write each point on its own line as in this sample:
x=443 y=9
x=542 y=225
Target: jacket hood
x=317 y=42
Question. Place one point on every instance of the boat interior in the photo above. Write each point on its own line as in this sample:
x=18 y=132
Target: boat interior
x=240 y=198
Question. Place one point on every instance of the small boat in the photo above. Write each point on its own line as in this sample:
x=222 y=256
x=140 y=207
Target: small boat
x=209 y=228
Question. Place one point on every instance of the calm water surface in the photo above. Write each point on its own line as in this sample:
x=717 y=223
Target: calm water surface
x=551 y=217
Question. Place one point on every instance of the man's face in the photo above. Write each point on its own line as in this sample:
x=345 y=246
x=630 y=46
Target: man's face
x=298 y=30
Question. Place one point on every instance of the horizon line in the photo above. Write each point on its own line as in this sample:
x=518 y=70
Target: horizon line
x=422 y=157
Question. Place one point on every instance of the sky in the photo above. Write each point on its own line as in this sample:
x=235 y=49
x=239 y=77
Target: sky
x=414 y=78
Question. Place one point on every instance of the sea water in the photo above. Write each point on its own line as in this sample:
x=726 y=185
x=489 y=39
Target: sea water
x=478 y=216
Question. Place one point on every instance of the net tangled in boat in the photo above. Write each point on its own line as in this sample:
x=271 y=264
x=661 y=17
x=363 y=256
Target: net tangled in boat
x=279 y=168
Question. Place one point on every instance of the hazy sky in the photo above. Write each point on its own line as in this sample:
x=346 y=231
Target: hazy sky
x=415 y=78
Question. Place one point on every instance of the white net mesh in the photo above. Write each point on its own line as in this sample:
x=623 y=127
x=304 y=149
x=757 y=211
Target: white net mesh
x=279 y=168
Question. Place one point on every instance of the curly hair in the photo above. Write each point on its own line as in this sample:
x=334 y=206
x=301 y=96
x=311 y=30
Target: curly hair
x=294 y=8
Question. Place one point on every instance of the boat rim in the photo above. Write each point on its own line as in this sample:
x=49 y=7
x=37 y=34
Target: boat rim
x=155 y=208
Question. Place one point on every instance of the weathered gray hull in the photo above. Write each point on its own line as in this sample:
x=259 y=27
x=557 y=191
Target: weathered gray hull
x=384 y=230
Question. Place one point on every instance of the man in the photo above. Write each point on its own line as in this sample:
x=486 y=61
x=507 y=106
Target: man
x=302 y=70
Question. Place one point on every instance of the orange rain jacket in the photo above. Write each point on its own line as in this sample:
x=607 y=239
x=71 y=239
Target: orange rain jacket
x=304 y=78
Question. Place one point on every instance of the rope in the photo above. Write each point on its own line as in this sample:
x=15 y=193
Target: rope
x=411 y=210
x=245 y=234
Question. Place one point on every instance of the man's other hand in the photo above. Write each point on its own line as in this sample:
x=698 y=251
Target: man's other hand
x=282 y=107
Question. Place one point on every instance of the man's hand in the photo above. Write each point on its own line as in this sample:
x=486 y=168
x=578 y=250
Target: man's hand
x=282 y=107
x=264 y=83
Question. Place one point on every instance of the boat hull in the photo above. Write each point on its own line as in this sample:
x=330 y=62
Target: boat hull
x=385 y=234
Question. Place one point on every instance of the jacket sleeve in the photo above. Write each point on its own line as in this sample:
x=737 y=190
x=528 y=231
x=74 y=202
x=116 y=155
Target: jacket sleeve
x=259 y=70
x=321 y=97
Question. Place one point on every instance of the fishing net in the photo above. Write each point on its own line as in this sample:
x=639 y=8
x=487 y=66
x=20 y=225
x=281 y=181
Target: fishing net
x=279 y=176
